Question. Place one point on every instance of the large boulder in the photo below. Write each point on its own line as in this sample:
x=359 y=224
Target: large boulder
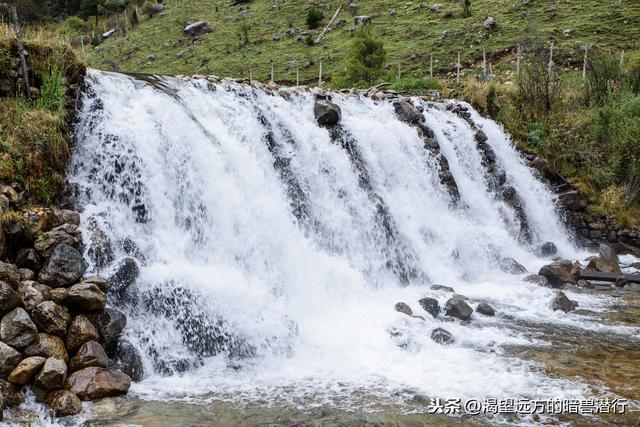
x=90 y=354
x=327 y=113
x=65 y=266
x=442 y=336
x=100 y=249
x=121 y=282
x=197 y=28
x=26 y=370
x=52 y=375
x=127 y=359
x=86 y=297
x=109 y=324
x=404 y=308
x=10 y=274
x=430 y=305
x=511 y=266
x=607 y=252
x=457 y=307
x=96 y=383
x=46 y=243
x=68 y=216
x=546 y=249
x=47 y=346
x=563 y=303
x=17 y=329
x=603 y=265
x=52 y=318
x=28 y=258
x=486 y=309
x=9 y=359
x=407 y=112
x=33 y=293
x=81 y=331
x=557 y=273
x=9 y=299
x=63 y=403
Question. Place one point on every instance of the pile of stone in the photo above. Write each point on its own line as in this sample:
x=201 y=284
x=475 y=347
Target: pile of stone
x=55 y=330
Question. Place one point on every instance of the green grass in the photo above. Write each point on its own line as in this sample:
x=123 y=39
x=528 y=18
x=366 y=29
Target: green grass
x=409 y=36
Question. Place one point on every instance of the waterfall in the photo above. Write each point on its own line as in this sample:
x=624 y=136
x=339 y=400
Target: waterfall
x=272 y=251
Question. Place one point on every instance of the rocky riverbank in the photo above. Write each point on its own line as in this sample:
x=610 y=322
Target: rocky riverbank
x=57 y=337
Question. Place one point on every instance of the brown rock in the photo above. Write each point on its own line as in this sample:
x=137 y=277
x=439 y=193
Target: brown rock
x=90 y=354
x=9 y=298
x=86 y=297
x=9 y=273
x=9 y=359
x=52 y=318
x=46 y=242
x=33 y=293
x=10 y=395
x=561 y=302
x=26 y=370
x=48 y=346
x=42 y=220
x=17 y=329
x=52 y=375
x=58 y=295
x=603 y=265
x=95 y=383
x=63 y=403
x=81 y=331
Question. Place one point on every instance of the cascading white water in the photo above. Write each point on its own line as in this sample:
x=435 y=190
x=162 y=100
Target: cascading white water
x=272 y=260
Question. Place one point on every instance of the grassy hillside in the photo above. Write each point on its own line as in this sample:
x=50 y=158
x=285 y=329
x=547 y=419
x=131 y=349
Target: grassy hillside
x=411 y=30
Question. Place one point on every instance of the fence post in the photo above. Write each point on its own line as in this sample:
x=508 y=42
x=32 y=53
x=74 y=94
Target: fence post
x=250 y=75
x=550 y=58
x=484 y=62
x=518 y=61
x=272 y=71
x=431 y=65
x=399 y=71
x=622 y=58
x=297 y=75
x=584 y=62
x=458 y=69
x=320 y=76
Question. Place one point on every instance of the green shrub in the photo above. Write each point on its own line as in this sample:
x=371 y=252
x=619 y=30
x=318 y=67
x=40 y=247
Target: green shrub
x=52 y=90
x=364 y=60
x=539 y=87
x=603 y=77
x=115 y=5
x=73 y=23
x=314 y=17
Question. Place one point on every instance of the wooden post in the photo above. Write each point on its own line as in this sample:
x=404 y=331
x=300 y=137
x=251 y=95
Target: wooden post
x=550 y=58
x=584 y=62
x=431 y=65
x=399 y=71
x=320 y=76
x=297 y=75
x=622 y=58
x=484 y=62
x=518 y=61
x=458 y=71
x=23 y=60
x=490 y=70
x=272 y=71
x=250 y=75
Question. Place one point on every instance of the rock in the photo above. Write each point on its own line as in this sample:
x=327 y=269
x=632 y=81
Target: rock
x=10 y=274
x=537 y=279
x=362 y=19
x=9 y=193
x=9 y=299
x=561 y=302
x=621 y=282
x=46 y=242
x=52 y=375
x=510 y=265
x=490 y=23
x=430 y=305
x=128 y=360
x=28 y=258
x=546 y=249
x=407 y=112
x=64 y=267
x=442 y=288
x=486 y=309
x=90 y=354
x=607 y=252
x=341 y=22
x=481 y=137
x=155 y=9
x=100 y=282
x=457 y=307
x=9 y=359
x=124 y=278
x=327 y=113
x=603 y=265
x=86 y=297
x=27 y=274
x=404 y=308
x=52 y=318
x=68 y=216
x=557 y=273
x=96 y=383
x=17 y=329
x=197 y=28
x=633 y=287
x=63 y=403
x=33 y=293
x=442 y=336
x=81 y=331
x=109 y=324
x=10 y=396
x=100 y=249
x=26 y=370
x=435 y=8
x=47 y=346
x=58 y=295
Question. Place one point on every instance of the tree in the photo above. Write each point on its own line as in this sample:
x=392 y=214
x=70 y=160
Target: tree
x=365 y=59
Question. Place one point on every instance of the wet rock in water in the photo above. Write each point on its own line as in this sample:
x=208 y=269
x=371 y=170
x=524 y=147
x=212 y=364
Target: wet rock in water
x=63 y=403
x=486 y=309
x=100 y=282
x=28 y=258
x=442 y=288
x=9 y=359
x=327 y=113
x=546 y=249
x=33 y=293
x=10 y=396
x=563 y=303
x=132 y=249
x=26 y=370
x=17 y=329
x=90 y=354
x=537 y=279
x=510 y=265
x=109 y=324
x=407 y=112
x=81 y=331
x=86 y=297
x=621 y=282
x=557 y=273
x=9 y=299
x=100 y=248
x=197 y=28
x=127 y=359
x=633 y=287
x=48 y=346
x=607 y=252
x=430 y=305
x=603 y=265
x=584 y=284
x=480 y=136
x=46 y=243
x=96 y=383
x=124 y=278
x=442 y=336
x=52 y=318
x=457 y=307
x=52 y=375
x=65 y=266
x=404 y=308
x=10 y=274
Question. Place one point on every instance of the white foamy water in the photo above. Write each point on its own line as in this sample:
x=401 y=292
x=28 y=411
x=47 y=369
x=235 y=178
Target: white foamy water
x=274 y=255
